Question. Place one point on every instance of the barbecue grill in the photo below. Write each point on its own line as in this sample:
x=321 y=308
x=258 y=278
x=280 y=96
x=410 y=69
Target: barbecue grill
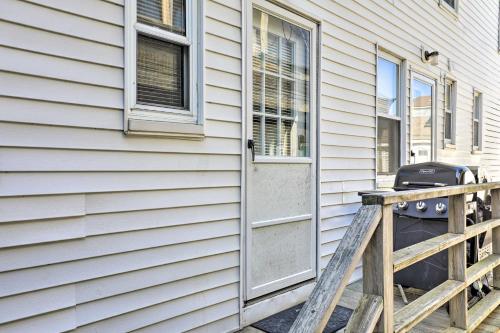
x=418 y=221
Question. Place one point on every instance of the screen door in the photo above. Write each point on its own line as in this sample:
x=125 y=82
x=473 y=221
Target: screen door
x=280 y=176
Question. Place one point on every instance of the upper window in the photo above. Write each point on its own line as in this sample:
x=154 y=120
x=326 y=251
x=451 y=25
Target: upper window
x=388 y=115
x=162 y=61
x=281 y=75
x=450 y=95
x=450 y=5
x=477 y=121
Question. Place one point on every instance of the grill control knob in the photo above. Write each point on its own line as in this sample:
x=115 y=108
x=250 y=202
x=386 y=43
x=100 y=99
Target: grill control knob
x=441 y=208
x=421 y=206
x=402 y=205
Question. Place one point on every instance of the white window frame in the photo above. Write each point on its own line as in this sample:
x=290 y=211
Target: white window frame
x=401 y=106
x=478 y=120
x=450 y=142
x=147 y=119
x=449 y=9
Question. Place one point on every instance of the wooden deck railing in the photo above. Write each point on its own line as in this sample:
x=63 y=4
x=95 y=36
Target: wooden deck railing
x=371 y=234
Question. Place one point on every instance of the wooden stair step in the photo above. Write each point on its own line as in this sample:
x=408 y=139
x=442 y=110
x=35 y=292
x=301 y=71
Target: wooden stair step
x=479 y=228
x=411 y=314
x=366 y=315
x=414 y=253
x=482 y=267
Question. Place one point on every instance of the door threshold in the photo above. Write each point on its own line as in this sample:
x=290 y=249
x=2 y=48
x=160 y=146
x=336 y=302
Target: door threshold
x=265 y=306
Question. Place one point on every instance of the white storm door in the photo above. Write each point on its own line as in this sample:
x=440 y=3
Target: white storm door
x=423 y=103
x=281 y=159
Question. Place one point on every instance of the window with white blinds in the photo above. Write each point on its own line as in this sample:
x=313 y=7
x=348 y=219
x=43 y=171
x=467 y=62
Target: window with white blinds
x=281 y=98
x=162 y=61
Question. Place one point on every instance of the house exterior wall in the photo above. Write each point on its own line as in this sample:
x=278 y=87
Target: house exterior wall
x=106 y=232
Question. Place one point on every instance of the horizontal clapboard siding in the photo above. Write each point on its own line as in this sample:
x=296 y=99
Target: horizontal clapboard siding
x=99 y=231
x=103 y=232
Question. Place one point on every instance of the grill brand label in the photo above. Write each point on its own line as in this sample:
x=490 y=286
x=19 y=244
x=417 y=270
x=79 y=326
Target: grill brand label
x=427 y=171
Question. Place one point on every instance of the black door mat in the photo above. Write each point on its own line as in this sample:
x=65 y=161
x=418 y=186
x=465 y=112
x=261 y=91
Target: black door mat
x=281 y=322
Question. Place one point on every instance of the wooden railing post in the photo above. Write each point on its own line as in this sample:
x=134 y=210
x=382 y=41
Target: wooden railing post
x=378 y=269
x=495 y=239
x=457 y=260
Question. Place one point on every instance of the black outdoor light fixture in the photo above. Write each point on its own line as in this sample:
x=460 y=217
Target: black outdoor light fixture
x=431 y=57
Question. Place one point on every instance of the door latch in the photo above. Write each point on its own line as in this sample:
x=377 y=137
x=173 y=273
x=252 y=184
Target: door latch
x=251 y=145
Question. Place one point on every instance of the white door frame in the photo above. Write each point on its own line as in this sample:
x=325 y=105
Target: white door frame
x=262 y=309
x=433 y=82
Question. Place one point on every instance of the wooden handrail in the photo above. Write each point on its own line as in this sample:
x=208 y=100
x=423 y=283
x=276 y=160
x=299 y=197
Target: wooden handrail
x=318 y=308
x=370 y=234
x=385 y=198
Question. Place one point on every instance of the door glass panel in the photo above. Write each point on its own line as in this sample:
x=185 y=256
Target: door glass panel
x=421 y=121
x=281 y=96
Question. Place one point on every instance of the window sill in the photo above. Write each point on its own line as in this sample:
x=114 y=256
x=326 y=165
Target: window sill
x=476 y=152
x=165 y=128
x=448 y=145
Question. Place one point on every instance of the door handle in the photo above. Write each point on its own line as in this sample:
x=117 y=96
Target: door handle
x=251 y=146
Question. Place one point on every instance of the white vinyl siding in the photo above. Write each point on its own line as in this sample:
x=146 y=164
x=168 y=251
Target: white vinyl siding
x=140 y=232
x=101 y=231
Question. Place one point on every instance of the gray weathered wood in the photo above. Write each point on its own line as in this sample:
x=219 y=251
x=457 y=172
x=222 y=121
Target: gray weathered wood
x=385 y=198
x=482 y=267
x=479 y=228
x=366 y=315
x=457 y=260
x=495 y=233
x=409 y=255
x=419 y=309
x=378 y=270
x=481 y=310
x=321 y=303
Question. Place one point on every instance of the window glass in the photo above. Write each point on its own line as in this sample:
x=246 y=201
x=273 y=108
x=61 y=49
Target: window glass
x=421 y=121
x=160 y=73
x=450 y=3
x=281 y=97
x=476 y=121
x=447 y=126
x=388 y=117
x=449 y=113
x=162 y=64
x=387 y=87
x=166 y=14
x=388 y=152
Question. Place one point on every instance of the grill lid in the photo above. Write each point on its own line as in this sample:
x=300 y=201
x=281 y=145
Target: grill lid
x=432 y=174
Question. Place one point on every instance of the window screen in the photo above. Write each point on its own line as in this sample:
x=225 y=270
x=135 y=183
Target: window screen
x=160 y=73
x=281 y=68
x=166 y=14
